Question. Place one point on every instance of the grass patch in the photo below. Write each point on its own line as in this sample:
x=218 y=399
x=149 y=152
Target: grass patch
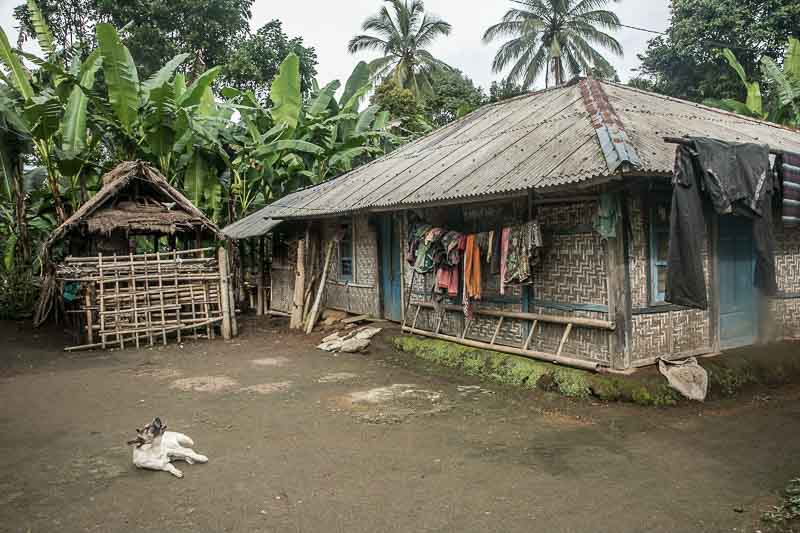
x=728 y=375
x=522 y=372
x=786 y=515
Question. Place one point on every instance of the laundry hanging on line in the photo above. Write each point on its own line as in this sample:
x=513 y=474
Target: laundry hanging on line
x=735 y=178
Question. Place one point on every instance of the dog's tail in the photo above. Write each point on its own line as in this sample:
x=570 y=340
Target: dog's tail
x=185 y=441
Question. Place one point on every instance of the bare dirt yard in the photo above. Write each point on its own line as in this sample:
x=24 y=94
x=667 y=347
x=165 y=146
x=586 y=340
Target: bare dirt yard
x=300 y=440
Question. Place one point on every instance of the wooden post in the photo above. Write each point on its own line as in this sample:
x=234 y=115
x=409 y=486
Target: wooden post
x=224 y=292
x=312 y=317
x=296 y=322
x=618 y=305
x=241 y=270
x=231 y=300
x=89 y=322
x=262 y=259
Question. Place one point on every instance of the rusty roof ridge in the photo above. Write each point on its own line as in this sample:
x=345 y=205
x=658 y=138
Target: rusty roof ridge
x=616 y=147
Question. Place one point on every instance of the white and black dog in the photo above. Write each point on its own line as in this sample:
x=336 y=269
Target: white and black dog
x=155 y=448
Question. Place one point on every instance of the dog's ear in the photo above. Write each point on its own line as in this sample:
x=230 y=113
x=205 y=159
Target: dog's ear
x=157 y=423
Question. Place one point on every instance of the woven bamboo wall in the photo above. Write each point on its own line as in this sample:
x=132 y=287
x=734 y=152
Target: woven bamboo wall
x=659 y=333
x=572 y=272
x=282 y=274
x=786 y=307
x=360 y=295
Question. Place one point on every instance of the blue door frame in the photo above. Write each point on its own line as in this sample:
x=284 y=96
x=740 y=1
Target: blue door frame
x=389 y=252
x=738 y=309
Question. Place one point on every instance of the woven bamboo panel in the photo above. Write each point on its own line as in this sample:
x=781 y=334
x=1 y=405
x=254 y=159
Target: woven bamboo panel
x=786 y=313
x=661 y=334
x=362 y=295
x=282 y=289
x=638 y=262
x=572 y=271
x=787 y=259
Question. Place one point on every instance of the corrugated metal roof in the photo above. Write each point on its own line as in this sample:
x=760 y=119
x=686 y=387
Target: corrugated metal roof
x=254 y=225
x=558 y=136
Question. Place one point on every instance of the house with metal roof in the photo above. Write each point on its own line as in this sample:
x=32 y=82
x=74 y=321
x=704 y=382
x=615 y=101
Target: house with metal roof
x=585 y=163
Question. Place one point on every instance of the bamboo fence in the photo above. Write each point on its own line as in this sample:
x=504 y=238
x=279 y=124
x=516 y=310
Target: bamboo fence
x=150 y=298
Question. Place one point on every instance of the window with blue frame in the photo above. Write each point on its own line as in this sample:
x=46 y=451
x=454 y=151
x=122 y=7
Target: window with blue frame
x=659 y=245
x=346 y=253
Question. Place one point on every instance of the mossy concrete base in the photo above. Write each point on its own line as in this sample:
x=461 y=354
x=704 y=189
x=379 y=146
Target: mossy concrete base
x=522 y=372
x=728 y=374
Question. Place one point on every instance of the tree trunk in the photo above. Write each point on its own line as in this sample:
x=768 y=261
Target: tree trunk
x=23 y=240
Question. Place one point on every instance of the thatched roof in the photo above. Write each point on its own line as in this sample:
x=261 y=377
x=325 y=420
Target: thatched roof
x=135 y=197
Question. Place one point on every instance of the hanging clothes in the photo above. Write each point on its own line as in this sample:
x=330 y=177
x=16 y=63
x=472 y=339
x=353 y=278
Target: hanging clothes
x=505 y=234
x=426 y=251
x=415 y=235
x=450 y=243
x=736 y=178
x=472 y=268
x=788 y=167
x=447 y=279
x=497 y=252
x=605 y=223
x=517 y=260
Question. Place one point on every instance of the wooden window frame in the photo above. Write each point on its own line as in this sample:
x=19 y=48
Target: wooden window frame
x=347 y=278
x=654 y=232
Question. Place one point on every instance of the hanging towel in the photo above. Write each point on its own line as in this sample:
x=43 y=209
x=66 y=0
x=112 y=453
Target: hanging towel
x=605 y=223
x=497 y=252
x=504 y=258
x=472 y=268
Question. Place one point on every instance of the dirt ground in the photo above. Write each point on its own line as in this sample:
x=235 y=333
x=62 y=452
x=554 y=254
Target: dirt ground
x=304 y=441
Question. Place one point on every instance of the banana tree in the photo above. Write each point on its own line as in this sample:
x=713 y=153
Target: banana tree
x=783 y=102
x=298 y=143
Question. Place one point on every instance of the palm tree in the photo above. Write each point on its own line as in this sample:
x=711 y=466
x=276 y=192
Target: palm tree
x=557 y=36
x=402 y=37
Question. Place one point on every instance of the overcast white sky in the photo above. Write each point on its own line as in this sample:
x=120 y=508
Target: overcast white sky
x=328 y=26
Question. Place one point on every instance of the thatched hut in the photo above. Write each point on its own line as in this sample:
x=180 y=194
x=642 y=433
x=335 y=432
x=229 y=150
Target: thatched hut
x=135 y=200
x=108 y=264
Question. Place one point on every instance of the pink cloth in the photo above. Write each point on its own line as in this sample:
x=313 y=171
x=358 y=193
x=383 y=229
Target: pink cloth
x=447 y=278
x=503 y=255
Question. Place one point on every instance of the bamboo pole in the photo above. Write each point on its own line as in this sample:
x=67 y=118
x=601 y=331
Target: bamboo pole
x=262 y=259
x=141 y=334
x=296 y=321
x=224 y=286
x=232 y=304
x=102 y=302
x=142 y=256
x=312 y=316
x=543 y=356
x=89 y=329
x=550 y=319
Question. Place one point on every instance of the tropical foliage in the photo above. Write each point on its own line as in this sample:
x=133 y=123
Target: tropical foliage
x=255 y=62
x=155 y=30
x=76 y=115
x=557 y=37
x=783 y=83
x=402 y=32
x=687 y=62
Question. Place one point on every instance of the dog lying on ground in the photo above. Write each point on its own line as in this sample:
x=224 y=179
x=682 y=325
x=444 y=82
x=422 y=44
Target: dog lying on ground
x=155 y=448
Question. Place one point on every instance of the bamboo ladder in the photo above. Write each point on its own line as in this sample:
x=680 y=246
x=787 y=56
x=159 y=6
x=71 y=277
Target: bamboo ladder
x=534 y=319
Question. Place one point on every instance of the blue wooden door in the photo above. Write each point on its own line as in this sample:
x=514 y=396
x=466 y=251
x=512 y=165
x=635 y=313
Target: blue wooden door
x=389 y=249
x=737 y=294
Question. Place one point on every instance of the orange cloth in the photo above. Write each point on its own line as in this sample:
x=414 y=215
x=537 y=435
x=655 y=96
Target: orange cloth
x=472 y=268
